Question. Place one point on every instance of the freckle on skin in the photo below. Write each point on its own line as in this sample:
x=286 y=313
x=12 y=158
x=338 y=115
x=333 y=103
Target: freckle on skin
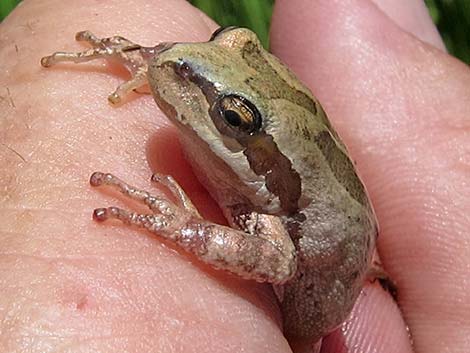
x=82 y=303
x=76 y=298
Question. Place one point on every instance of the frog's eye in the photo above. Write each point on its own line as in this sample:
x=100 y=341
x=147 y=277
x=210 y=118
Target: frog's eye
x=183 y=69
x=235 y=115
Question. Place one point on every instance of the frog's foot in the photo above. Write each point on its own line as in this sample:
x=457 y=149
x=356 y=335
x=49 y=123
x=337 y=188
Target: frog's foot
x=177 y=191
x=377 y=273
x=252 y=256
x=133 y=56
x=157 y=204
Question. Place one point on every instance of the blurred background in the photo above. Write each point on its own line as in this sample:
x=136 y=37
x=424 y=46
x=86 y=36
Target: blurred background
x=452 y=18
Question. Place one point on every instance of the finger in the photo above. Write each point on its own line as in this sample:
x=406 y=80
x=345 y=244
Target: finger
x=413 y=17
x=68 y=283
x=365 y=330
x=400 y=106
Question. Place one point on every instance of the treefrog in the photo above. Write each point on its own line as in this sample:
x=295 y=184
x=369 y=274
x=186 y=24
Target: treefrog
x=299 y=216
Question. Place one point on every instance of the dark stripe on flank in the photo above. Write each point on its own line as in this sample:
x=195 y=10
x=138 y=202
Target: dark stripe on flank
x=341 y=166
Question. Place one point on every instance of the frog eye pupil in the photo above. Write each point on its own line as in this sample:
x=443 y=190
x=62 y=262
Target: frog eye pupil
x=233 y=118
x=183 y=69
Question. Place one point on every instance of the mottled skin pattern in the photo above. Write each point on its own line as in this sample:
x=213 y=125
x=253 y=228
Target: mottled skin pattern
x=263 y=147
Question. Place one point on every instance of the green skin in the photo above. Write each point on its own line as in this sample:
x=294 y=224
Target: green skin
x=300 y=217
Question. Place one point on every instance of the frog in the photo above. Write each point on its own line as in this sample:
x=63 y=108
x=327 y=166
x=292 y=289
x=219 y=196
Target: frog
x=298 y=215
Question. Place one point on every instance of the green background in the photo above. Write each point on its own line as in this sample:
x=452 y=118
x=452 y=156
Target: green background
x=451 y=16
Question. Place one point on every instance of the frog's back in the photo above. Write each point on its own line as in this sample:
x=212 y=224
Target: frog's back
x=334 y=229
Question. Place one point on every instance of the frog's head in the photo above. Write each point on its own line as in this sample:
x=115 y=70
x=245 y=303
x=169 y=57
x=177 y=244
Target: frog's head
x=236 y=106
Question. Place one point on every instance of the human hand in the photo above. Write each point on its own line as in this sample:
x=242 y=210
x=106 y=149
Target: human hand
x=401 y=107
x=70 y=284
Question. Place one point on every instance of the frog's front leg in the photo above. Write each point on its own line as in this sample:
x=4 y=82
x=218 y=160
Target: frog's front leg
x=133 y=56
x=249 y=255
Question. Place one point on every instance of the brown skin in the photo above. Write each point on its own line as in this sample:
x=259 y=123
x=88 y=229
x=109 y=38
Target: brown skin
x=69 y=283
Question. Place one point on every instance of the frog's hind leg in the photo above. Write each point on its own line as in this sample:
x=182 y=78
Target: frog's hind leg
x=133 y=56
x=252 y=256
